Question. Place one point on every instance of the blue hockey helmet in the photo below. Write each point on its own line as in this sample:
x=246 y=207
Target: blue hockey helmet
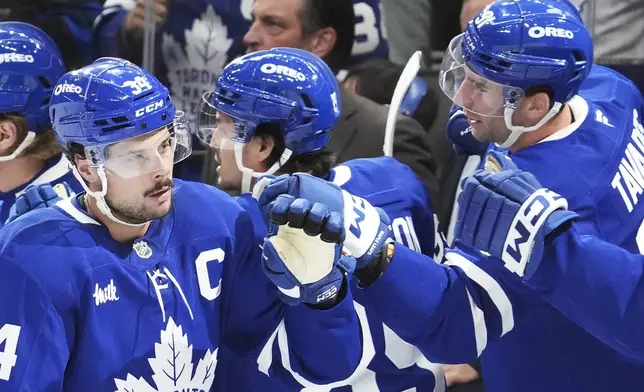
x=291 y=87
x=512 y=46
x=30 y=65
x=112 y=101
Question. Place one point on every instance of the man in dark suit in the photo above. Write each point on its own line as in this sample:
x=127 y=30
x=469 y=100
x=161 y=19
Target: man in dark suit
x=326 y=29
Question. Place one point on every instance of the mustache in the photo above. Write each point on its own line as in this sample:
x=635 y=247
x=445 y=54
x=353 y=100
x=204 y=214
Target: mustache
x=167 y=183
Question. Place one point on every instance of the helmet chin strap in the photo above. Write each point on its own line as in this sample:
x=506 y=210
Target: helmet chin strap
x=100 y=196
x=249 y=174
x=517 y=130
x=25 y=143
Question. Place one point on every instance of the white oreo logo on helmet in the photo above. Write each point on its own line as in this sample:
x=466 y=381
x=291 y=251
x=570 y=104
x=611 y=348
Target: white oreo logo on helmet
x=269 y=68
x=68 y=88
x=540 y=32
x=16 y=58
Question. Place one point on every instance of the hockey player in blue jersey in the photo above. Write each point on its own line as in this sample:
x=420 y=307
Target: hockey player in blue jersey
x=30 y=65
x=264 y=117
x=145 y=283
x=593 y=282
x=517 y=72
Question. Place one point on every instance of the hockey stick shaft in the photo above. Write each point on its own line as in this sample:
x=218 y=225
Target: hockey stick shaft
x=406 y=78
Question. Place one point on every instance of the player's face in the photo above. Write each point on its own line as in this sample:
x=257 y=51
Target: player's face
x=487 y=129
x=483 y=104
x=148 y=196
x=276 y=23
x=229 y=177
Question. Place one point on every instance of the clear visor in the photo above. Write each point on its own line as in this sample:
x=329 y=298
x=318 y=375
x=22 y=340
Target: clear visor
x=151 y=152
x=217 y=129
x=470 y=91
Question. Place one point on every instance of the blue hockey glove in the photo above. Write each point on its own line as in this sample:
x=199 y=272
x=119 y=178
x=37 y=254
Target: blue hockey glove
x=507 y=213
x=302 y=252
x=365 y=227
x=38 y=196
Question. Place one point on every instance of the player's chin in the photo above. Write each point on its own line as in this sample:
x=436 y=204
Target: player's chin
x=480 y=132
x=158 y=211
x=160 y=203
x=227 y=185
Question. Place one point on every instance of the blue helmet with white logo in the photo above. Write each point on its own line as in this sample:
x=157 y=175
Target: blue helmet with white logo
x=512 y=46
x=121 y=120
x=110 y=101
x=291 y=87
x=30 y=65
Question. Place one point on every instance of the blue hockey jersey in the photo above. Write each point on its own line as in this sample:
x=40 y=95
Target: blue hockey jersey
x=458 y=311
x=165 y=312
x=55 y=171
x=392 y=186
x=370 y=32
x=389 y=363
x=598 y=285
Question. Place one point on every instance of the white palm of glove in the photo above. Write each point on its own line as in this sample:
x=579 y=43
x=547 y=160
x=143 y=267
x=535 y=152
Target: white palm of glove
x=307 y=257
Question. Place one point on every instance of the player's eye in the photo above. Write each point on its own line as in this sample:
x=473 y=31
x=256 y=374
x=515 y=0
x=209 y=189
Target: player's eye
x=165 y=145
x=139 y=157
x=480 y=86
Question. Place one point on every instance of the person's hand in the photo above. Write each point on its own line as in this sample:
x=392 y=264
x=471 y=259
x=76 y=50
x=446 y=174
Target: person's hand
x=302 y=251
x=365 y=226
x=38 y=196
x=460 y=374
x=135 y=19
x=506 y=212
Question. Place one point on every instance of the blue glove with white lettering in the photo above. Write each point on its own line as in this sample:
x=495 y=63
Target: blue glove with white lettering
x=302 y=251
x=38 y=196
x=506 y=212
x=365 y=227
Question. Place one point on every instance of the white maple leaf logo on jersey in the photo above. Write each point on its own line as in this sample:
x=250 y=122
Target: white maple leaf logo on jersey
x=172 y=366
x=194 y=70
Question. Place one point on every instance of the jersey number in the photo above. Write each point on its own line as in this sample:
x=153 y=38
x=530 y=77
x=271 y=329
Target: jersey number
x=9 y=334
x=366 y=29
x=405 y=234
x=138 y=85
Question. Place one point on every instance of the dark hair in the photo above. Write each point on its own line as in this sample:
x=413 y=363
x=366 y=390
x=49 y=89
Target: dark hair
x=44 y=146
x=376 y=79
x=337 y=14
x=318 y=163
x=543 y=88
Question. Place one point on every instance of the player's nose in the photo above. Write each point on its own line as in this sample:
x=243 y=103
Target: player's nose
x=252 y=39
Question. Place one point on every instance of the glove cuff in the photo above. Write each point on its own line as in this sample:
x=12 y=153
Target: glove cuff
x=378 y=265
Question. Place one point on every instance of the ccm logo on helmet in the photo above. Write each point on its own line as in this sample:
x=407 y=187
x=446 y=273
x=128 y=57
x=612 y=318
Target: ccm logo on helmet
x=16 y=58
x=269 y=68
x=149 y=109
x=68 y=88
x=540 y=32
